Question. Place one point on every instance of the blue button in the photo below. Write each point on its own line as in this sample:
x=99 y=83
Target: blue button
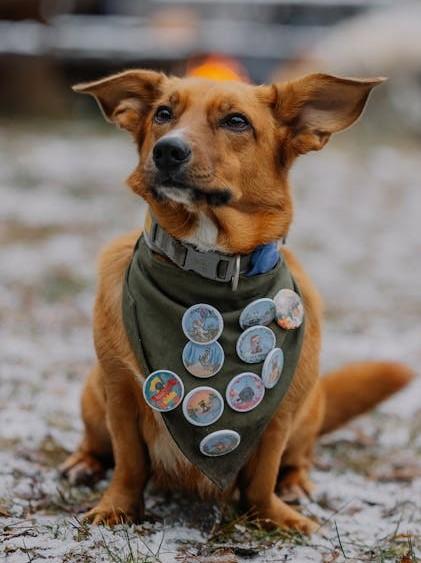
x=202 y=324
x=255 y=343
x=272 y=368
x=203 y=360
x=259 y=312
x=221 y=442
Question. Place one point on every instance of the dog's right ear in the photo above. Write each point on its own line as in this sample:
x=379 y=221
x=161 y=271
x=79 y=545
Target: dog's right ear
x=125 y=98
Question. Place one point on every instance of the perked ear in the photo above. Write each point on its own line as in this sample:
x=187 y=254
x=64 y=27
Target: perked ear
x=124 y=98
x=318 y=105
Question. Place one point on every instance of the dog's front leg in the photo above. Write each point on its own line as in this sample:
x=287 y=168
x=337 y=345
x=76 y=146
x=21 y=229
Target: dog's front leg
x=123 y=500
x=259 y=478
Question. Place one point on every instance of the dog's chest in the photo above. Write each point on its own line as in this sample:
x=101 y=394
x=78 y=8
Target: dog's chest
x=163 y=451
x=154 y=313
x=170 y=468
x=205 y=234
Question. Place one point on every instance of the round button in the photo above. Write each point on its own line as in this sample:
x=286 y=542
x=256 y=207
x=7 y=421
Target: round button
x=254 y=344
x=163 y=390
x=289 y=309
x=259 y=312
x=203 y=360
x=221 y=442
x=245 y=391
x=202 y=324
x=272 y=368
x=203 y=406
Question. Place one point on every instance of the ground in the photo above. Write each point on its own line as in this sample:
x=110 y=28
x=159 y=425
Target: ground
x=357 y=230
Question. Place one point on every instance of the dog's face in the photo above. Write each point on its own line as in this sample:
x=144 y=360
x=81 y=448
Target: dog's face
x=222 y=150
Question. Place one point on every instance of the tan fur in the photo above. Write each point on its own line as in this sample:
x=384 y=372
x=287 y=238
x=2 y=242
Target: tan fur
x=287 y=120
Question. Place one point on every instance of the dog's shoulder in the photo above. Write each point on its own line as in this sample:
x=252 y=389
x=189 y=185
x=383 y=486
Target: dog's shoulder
x=115 y=257
x=113 y=262
x=109 y=334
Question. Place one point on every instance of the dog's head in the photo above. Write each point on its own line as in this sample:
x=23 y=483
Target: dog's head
x=214 y=156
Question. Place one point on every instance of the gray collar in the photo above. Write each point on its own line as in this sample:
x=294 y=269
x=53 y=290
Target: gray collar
x=212 y=265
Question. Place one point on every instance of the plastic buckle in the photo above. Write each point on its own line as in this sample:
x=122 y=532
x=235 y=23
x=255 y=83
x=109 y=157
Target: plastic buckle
x=203 y=263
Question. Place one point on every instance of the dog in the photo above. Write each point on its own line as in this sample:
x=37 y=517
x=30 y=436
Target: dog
x=213 y=166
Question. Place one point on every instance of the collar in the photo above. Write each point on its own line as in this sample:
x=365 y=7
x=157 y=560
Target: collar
x=212 y=265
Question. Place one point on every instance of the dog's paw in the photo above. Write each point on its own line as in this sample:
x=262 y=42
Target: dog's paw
x=280 y=514
x=301 y=524
x=295 y=485
x=81 y=468
x=106 y=514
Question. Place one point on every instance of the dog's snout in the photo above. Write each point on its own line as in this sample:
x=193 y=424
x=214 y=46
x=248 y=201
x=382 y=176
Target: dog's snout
x=170 y=153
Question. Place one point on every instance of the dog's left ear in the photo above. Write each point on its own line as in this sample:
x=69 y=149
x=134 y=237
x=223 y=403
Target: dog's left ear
x=125 y=98
x=318 y=105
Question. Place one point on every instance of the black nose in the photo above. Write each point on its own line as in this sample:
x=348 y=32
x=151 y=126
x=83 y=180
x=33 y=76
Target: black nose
x=170 y=153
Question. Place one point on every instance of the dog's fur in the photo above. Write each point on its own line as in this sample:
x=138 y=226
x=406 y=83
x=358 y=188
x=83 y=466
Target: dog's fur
x=233 y=196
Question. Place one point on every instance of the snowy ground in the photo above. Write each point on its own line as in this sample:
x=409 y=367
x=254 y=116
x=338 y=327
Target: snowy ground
x=357 y=230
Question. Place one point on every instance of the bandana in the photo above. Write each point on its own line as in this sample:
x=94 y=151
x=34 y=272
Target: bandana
x=156 y=294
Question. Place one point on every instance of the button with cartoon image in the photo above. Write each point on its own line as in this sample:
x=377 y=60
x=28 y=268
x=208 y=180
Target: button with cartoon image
x=202 y=324
x=221 y=442
x=245 y=391
x=203 y=406
x=255 y=343
x=289 y=309
x=259 y=312
x=272 y=368
x=163 y=390
x=203 y=360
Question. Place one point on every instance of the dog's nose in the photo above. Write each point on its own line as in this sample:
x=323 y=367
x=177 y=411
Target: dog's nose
x=170 y=153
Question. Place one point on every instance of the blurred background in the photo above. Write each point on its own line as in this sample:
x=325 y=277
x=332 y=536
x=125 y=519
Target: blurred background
x=47 y=45
x=50 y=44
x=357 y=223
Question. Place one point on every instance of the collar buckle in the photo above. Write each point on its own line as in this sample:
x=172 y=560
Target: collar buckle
x=208 y=264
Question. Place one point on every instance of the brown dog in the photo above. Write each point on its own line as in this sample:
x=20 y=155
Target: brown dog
x=233 y=195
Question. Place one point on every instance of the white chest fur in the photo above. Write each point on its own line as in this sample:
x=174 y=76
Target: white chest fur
x=205 y=234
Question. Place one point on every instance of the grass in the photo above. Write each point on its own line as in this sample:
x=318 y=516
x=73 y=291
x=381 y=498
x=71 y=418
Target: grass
x=241 y=535
x=133 y=550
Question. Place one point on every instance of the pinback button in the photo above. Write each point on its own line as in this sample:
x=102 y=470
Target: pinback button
x=245 y=391
x=289 y=309
x=163 y=390
x=255 y=343
x=203 y=406
x=221 y=442
x=202 y=324
x=203 y=360
x=272 y=368
x=259 y=312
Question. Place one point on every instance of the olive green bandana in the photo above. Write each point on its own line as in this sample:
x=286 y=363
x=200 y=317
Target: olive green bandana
x=155 y=296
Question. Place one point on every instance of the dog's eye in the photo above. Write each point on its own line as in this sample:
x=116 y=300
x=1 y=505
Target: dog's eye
x=163 y=114
x=236 y=122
